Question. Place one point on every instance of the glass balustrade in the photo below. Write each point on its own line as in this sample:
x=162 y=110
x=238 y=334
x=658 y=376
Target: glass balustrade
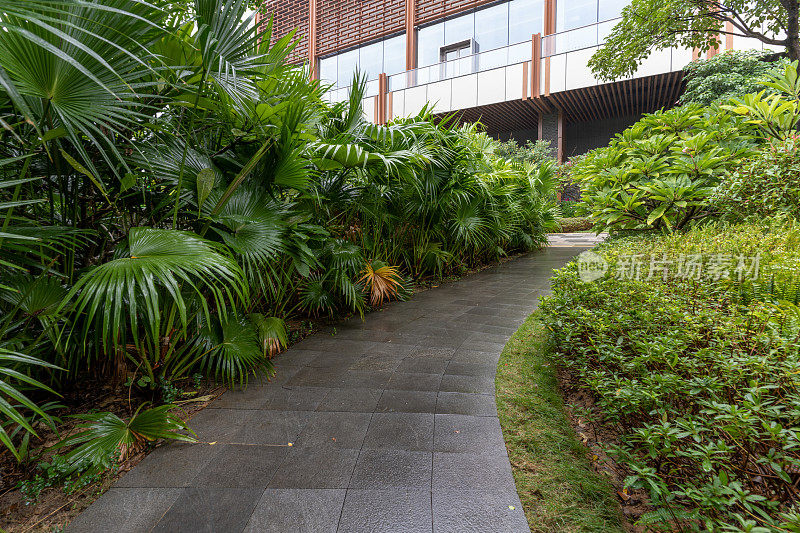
x=472 y=64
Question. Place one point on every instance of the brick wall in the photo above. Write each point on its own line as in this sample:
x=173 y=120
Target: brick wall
x=346 y=23
x=289 y=14
x=431 y=10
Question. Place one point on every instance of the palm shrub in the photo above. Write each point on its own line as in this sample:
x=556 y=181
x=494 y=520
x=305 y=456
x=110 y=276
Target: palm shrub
x=171 y=190
x=660 y=172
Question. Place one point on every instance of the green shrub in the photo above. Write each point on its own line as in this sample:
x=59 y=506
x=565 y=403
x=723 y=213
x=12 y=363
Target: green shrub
x=660 y=172
x=531 y=152
x=727 y=75
x=699 y=376
x=767 y=185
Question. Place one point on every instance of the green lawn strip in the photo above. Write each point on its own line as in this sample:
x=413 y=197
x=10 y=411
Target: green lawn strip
x=558 y=489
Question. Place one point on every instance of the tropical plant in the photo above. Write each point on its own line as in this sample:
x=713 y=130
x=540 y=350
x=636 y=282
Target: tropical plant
x=776 y=113
x=105 y=438
x=730 y=74
x=660 y=172
x=171 y=191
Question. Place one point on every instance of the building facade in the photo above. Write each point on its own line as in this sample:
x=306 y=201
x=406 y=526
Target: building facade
x=518 y=66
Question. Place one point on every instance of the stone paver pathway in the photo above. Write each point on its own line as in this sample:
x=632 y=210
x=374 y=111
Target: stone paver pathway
x=568 y=240
x=389 y=425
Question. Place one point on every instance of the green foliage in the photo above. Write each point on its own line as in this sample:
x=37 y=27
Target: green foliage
x=531 y=152
x=57 y=472
x=776 y=113
x=13 y=401
x=699 y=376
x=766 y=185
x=648 y=26
x=170 y=194
x=660 y=172
x=727 y=75
x=104 y=439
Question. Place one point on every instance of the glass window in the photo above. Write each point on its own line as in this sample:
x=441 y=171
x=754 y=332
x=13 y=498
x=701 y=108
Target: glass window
x=348 y=62
x=611 y=9
x=429 y=40
x=371 y=60
x=525 y=17
x=394 y=55
x=575 y=13
x=491 y=27
x=327 y=70
x=459 y=29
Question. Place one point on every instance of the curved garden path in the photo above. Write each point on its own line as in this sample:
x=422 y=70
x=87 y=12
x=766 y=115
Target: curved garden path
x=389 y=425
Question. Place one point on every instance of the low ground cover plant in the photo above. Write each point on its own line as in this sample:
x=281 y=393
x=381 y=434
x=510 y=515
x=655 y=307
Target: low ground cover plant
x=696 y=368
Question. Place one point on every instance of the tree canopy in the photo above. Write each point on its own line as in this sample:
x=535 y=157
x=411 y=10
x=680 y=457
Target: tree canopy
x=652 y=25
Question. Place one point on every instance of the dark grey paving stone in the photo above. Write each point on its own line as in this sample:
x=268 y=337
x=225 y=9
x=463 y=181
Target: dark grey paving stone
x=342 y=430
x=468 y=434
x=414 y=381
x=219 y=425
x=315 y=468
x=169 y=465
x=478 y=511
x=404 y=431
x=395 y=511
x=479 y=385
x=394 y=348
x=288 y=398
x=386 y=469
x=466 y=403
x=403 y=401
x=333 y=360
x=241 y=466
x=431 y=352
x=302 y=510
x=423 y=365
x=377 y=363
x=355 y=400
x=316 y=377
x=272 y=427
x=296 y=357
x=476 y=357
x=125 y=510
x=211 y=510
x=366 y=379
x=460 y=368
x=471 y=471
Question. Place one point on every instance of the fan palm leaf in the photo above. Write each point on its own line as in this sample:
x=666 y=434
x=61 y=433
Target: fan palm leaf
x=154 y=267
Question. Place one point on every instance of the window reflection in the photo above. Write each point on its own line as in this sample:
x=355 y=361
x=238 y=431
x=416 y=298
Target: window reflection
x=394 y=55
x=370 y=61
x=610 y=9
x=348 y=61
x=327 y=70
x=575 y=13
x=525 y=18
x=429 y=40
x=459 y=29
x=491 y=27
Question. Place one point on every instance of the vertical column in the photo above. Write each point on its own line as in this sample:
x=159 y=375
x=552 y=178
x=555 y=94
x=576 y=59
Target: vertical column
x=549 y=29
x=536 y=65
x=411 y=35
x=383 y=89
x=728 y=36
x=312 y=38
x=551 y=129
